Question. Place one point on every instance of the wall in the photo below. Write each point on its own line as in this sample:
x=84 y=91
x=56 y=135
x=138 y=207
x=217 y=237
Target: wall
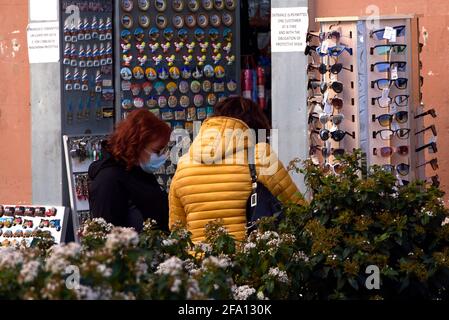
x=434 y=27
x=15 y=127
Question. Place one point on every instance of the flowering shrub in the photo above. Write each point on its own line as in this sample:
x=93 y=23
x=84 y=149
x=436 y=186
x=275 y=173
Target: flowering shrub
x=319 y=251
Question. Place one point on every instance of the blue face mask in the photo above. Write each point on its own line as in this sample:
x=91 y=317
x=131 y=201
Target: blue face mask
x=154 y=163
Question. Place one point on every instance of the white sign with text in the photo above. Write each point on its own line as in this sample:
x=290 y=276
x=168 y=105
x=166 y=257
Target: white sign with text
x=289 y=29
x=43 y=42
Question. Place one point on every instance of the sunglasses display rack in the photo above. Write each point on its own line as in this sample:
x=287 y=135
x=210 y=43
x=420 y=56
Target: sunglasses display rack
x=88 y=93
x=177 y=59
x=20 y=224
x=80 y=152
x=387 y=93
x=333 y=115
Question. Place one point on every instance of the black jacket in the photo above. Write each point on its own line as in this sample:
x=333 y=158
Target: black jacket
x=126 y=198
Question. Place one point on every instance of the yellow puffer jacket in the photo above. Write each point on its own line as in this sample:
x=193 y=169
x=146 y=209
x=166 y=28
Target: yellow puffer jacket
x=213 y=181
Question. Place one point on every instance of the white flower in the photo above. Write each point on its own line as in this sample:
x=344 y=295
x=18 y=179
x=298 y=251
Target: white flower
x=104 y=271
x=445 y=222
x=193 y=289
x=10 y=257
x=88 y=293
x=122 y=238
x=176 y=286
x=222 y=262
x=169 y=242
x=171 y=267
x=141 y=268
x=248 y=246
x=29 y=271
x=242 y=292
x=59 y=255
x=300 y=256
x=269 y=235
x=280 y=275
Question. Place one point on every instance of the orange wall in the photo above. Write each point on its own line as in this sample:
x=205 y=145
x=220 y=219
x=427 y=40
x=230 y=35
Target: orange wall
x=434 y=27
x=15 y=130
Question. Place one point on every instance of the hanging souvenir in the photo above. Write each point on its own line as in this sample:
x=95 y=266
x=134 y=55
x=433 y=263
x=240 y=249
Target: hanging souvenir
x=191 y=47
x=144 y=21
x=227 y=34
x=126 y=37
x=94 y=28
x=154 y=46
x=178 y=5
x=103 y=57
x=158 y=59
x=199 y=34
x=139 y=35
x=215 y=20
x=139 y=102
x=144 y=5
x=209 y=112
x=135 y=89
x=189 y=128
x=126 y=74
x=186 y=72
x=219 y=86
x=174 y=73
x=87 y=30
x=168 y=34
x=201 y=60
x=147 y=88
x=74 y=55
x=109 y=53
x=96 y=56
x=219 y=4
x=101 y=30
x=201 y=113
x=151 y=74
x=204 y=46
x=170 y=60
x=227 y=19
x=191 y=114
x=142 y=60
x=167 y=115
x=184 y=87
x=195 y=86
x=172 y=102
x=172 y=87
x=160 y=5
x=230 y=4
x=230 y=59
x=166 y=46
x=80 y=30
x=207 y=4
x=219 y=72
x=183 y=35
x=207 y=86
x=163 y=73
x=127 y=59
x=161 y=21
x=198 y=73
x=162 y=102
x=140 y=46
x=151 y=102
x=156 y=112
x=138 y=73
x=126 y=85
x=211 y=99
x=190 y=20
x=222 y=97
x=127 y=21
x=108 y=28
x=187 y=59
x=127 y=5
x=180 y=115
x=81 y=57
x=193 y=5
x=198 y=100
x=184 y=101
x=216 y=58
x=68 y=80
x=154 y=34
x=213 y=34
x=178 y=21
x=232 y=85
x=203 y=20
x=208 y=71
x=159 y=87
x=127 y=104
x=179 y=46
x=217 y=47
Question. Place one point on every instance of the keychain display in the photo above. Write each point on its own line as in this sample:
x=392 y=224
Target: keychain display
x=178 y=59
x=20 y=224
x=88 y=63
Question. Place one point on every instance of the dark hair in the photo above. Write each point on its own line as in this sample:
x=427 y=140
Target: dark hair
x=245 y=110
x=133 y=135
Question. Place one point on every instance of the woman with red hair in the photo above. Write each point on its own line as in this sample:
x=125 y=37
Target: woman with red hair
x=122 y=187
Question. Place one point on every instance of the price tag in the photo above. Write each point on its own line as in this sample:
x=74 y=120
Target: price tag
x=328 y=109
x=325 y=47
x=393 y=36
x=395 y=126
x=384 y=101
x=388 y=33
x=433 y=139
x=394 y=73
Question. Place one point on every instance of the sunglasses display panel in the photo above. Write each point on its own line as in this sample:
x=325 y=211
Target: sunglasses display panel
x=20 y=224
x=177 y=59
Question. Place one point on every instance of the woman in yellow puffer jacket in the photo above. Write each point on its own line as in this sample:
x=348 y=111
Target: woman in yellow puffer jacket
x=213 y=181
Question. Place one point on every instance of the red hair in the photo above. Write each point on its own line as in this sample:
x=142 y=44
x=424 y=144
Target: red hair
x=133 y=135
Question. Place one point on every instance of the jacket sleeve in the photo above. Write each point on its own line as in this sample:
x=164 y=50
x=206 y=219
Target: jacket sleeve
x=176 y=210
x=272 y=173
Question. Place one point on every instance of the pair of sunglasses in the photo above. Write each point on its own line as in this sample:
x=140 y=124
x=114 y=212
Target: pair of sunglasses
x=327 y=152
x=432 y=128
x=379 y=34
x=334 y=69
x=403 y=169
x=335 y=168
x=386 y=49
x=334 y=51
x=386 y=134
x=336 y=135
x=385 y=120
x=430 y=112
x=336 y=86
x=337 y=103
x=335 y=119
x=400 y=83
x=433 y=163
x=431 y=145
x=399 y=100
x=389 y=151
x=387 y=66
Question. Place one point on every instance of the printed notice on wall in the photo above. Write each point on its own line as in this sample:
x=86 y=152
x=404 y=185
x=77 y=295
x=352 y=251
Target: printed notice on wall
x=289 y=29
x=43 y=42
